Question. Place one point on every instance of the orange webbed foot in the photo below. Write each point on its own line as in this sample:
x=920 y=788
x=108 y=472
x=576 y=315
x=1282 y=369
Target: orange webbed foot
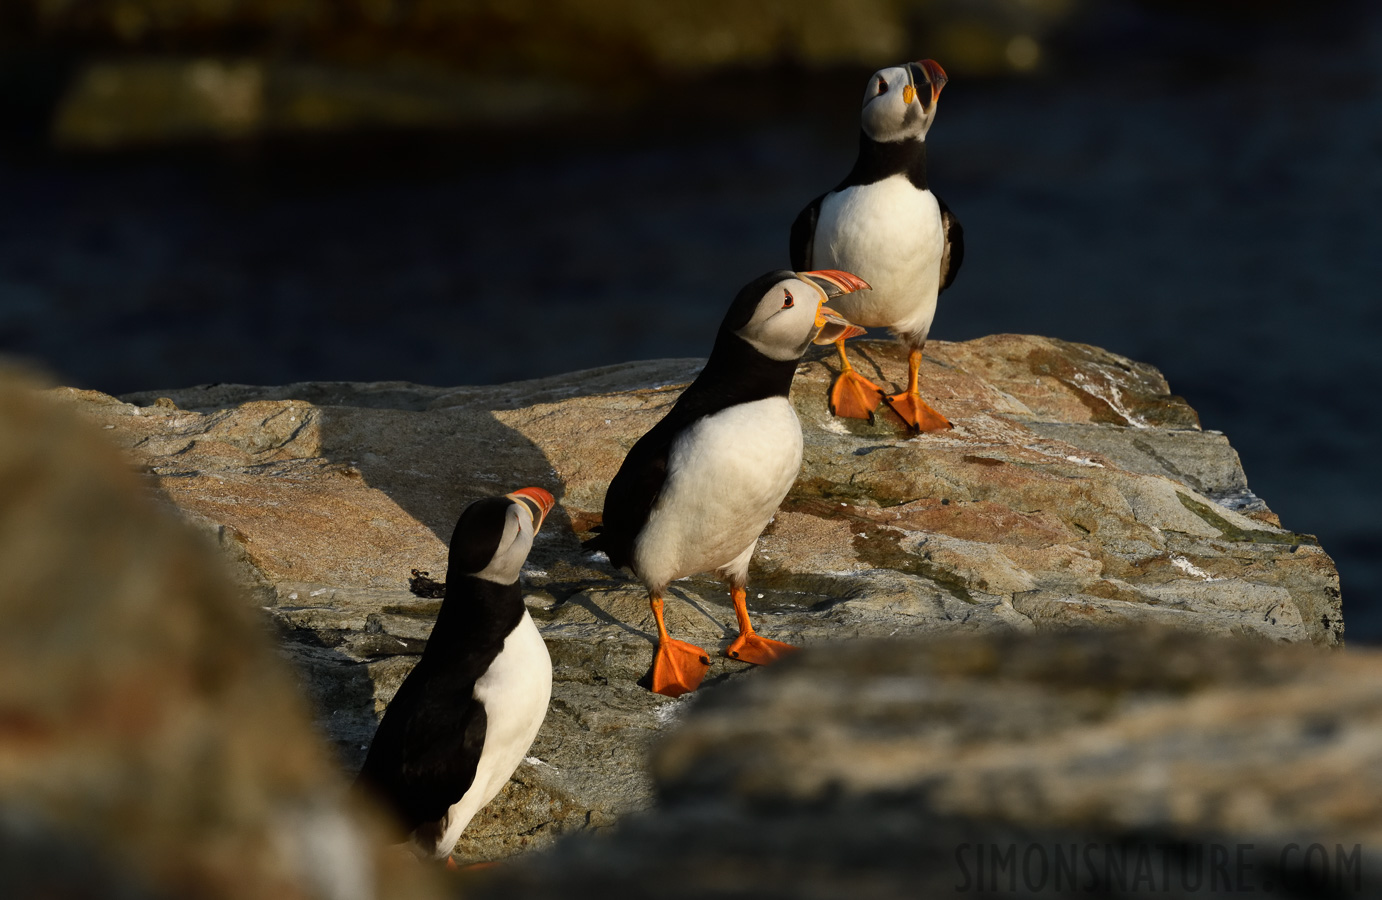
x=678 y=667
x=917 y=413
x=453 y=866
x=854 y=397
x=760 y=651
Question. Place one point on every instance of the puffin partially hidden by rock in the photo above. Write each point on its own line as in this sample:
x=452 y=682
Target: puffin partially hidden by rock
x=467 y=713
x=883 y=223
x=696 y=491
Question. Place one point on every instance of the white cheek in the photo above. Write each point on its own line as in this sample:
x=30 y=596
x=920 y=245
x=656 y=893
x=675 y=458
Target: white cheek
x=789 y=331
x=513 y=552
x=885 y=119
x=879 y=121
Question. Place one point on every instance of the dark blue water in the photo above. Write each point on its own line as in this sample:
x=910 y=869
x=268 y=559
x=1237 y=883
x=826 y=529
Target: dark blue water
x=1220 y=223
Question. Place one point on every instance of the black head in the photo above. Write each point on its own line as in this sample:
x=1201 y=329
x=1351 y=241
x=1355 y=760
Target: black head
x=494 y=534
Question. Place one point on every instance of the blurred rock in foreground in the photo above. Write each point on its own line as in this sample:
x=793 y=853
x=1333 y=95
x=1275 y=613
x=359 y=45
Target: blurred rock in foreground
x=1074 y=490
x=151 y=742
x=1077 y=763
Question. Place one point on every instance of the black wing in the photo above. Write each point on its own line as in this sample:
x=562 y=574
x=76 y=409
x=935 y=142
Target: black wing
x=803 y=241
x=633 y=492
x=425 y=752
x=954 y=253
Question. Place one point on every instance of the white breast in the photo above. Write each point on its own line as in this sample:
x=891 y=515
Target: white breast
x=889 y=234
x=514 y=692
x=726 y=477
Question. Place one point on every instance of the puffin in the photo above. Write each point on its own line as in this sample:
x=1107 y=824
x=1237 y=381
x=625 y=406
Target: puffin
x=883 y=223
x=467 y=713
x=695 y=492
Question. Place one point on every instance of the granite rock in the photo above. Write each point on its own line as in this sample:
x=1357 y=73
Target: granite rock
x=1075 y=489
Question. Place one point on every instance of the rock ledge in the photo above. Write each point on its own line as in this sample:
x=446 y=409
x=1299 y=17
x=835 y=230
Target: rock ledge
x=1074 y=490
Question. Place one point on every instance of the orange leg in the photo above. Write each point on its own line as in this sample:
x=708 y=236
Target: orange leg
x=453 y=866
x=748 y=646
x=678 y=666
x=915 y=411
x=853 y=396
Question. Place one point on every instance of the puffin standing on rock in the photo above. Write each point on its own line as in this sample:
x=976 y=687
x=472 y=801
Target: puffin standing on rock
x=884 y=224
x=695 y=492
x=467 y=713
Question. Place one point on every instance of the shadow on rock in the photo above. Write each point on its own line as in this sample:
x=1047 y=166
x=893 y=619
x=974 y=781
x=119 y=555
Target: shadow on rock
x=329 y=496
x=1074 y=489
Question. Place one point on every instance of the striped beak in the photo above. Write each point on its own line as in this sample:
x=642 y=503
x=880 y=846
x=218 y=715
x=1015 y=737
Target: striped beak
x=834 y=282
x=538 y=502
x=936 y=75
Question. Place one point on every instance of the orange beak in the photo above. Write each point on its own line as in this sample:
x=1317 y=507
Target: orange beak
x=833 y=326
x=936 y=75
x=538 y=501
x=835 y=282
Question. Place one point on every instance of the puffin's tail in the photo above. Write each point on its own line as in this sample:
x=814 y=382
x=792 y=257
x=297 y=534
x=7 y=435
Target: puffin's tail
x=615 y=550
x=600 y=542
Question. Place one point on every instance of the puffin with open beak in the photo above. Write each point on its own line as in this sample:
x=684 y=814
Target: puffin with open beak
x=696 y=491
x=883 y=223
x=467 y=713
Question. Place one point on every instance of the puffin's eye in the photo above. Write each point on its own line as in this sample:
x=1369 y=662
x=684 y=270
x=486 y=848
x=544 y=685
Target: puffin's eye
x=882 y=85
x=787 y=300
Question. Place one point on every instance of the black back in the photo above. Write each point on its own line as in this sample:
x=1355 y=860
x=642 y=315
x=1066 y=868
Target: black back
x=954 y=254
x=735 y=373
x=802 y=246
x=424 y=755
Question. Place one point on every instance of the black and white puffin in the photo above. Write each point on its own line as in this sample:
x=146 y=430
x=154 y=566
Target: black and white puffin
x=883 y=223
x=466 y=715
x=695 y=492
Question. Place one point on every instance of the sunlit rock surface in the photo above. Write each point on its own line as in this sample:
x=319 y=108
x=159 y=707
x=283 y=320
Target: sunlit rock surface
x=1074 y=490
